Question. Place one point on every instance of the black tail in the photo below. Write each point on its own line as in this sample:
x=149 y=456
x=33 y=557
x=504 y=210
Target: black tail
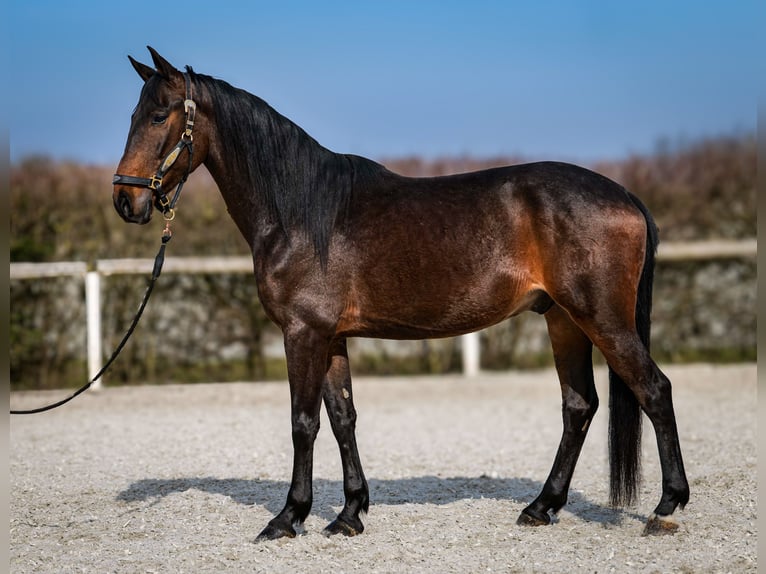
x=624 y=411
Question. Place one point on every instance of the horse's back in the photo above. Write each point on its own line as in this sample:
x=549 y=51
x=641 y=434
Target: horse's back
x=560 y=186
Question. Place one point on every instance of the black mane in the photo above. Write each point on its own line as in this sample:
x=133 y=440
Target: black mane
x=304 y=185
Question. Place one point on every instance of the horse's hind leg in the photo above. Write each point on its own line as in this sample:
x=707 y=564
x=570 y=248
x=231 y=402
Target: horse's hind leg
x=339 y=403
x=630 y=359
x=572 y=352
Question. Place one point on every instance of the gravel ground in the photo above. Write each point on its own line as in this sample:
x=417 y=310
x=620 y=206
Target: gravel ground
x=182 y=479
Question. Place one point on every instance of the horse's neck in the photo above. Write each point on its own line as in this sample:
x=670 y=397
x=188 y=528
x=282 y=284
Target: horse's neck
x=299 y=187
x=244 y=204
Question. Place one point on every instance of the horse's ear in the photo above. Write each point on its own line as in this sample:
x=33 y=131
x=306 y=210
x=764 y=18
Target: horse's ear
x=164 y=68
x=143 y=70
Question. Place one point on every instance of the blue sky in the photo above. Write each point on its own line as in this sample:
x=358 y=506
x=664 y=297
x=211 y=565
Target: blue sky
x=576 y=81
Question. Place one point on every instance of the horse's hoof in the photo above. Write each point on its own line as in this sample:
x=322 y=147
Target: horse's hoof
x=529 y=518
x=338 y=526
x=272 y=532
x=657 y=525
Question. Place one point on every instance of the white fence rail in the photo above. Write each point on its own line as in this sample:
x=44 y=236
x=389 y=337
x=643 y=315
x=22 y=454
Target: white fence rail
x=679 y=251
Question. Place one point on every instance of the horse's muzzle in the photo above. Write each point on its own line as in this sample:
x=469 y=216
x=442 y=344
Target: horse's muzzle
x=124 y=205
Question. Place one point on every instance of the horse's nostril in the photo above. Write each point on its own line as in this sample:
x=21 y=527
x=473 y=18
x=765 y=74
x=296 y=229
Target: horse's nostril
x=123 y=204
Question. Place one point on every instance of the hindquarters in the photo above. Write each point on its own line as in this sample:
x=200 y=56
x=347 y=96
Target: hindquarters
x=598 y=243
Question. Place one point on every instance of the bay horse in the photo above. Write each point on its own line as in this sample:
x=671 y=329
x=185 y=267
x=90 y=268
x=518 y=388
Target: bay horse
x=343 y=247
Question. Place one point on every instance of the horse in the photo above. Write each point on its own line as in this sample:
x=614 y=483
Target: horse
x=342 y=247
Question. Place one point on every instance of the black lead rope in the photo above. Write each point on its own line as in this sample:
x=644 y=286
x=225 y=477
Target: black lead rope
x=158 y=261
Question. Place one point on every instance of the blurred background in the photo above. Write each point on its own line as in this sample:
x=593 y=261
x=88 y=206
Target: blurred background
x=660 y=97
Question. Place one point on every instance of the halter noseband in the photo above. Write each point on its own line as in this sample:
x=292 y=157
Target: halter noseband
x=155 y=182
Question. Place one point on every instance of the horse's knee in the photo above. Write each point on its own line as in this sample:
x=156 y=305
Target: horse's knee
x=305 y=428
x=340 y=408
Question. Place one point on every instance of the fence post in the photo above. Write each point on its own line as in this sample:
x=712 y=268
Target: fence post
x=93 y=315
x=471 y=354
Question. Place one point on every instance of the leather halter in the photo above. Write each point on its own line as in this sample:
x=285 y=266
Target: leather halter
x=155 y=182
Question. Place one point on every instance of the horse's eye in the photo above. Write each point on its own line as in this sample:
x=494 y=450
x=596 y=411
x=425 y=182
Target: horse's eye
x=159 y=119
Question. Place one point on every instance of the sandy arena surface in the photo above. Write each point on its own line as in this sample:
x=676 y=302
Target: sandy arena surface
x=183 y=478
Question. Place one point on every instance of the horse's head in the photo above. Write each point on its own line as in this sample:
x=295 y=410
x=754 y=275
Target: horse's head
x=159 y=152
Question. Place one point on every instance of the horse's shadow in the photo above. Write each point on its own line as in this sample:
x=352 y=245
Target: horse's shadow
x=416 y=490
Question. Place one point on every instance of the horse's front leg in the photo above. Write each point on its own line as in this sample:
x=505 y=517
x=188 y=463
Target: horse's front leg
x=339 y=403
x=306 y=367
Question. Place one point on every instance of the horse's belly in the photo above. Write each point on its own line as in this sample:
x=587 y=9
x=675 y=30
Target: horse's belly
x=423 y=315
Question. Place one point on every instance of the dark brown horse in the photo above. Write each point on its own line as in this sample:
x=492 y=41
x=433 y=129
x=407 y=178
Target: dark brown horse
x=342 y=248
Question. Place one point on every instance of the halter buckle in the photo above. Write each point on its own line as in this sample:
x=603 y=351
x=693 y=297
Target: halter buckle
x=155 y=182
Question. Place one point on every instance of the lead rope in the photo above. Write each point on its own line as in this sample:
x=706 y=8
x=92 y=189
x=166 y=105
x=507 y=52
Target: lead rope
x=157 y=269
